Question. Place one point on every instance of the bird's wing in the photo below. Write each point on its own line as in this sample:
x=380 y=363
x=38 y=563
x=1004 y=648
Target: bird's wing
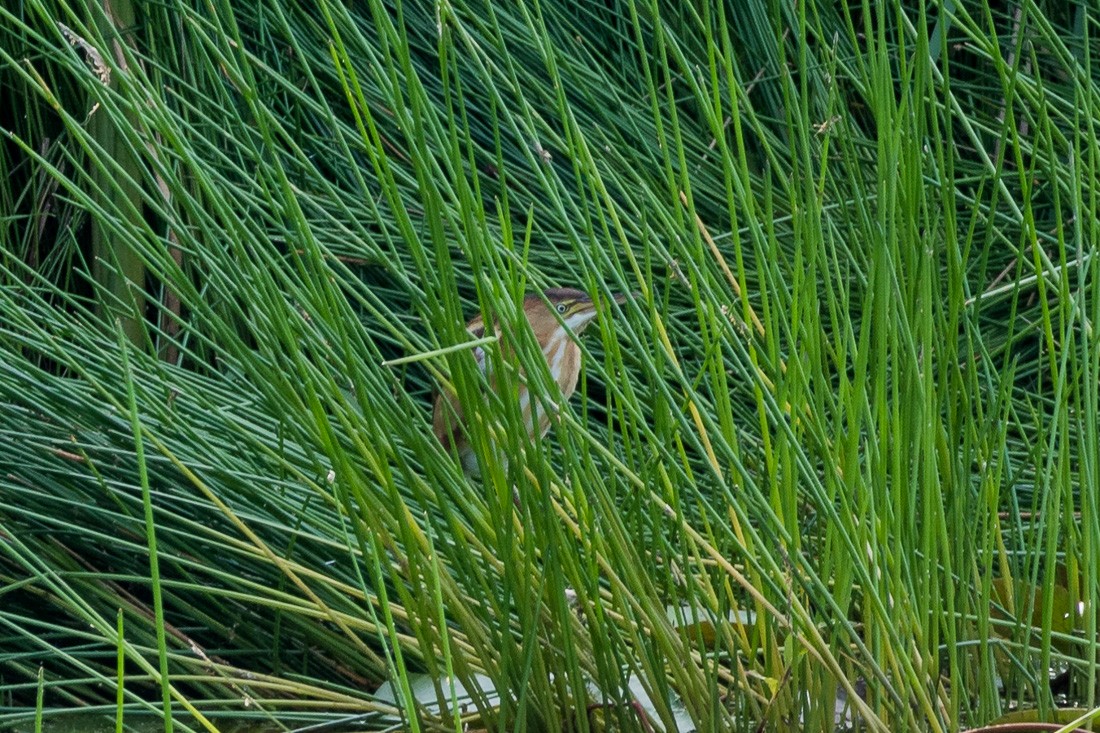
x=447 y=415
x=447 y=418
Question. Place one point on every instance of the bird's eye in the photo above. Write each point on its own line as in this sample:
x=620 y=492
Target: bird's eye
x=561 y=308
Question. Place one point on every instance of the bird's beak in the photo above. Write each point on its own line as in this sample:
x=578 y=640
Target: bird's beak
x=600 y=304
x=580 y=319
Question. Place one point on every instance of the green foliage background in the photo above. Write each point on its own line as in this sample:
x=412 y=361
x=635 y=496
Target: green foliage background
x=841 y=445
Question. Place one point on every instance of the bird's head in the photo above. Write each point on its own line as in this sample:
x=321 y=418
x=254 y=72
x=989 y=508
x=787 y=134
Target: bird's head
x=547 y=312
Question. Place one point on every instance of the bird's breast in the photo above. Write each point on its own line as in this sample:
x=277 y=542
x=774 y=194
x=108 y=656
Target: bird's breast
x=563 y=356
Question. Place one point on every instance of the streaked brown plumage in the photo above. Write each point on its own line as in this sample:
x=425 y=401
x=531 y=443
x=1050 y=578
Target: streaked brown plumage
x=545 y=316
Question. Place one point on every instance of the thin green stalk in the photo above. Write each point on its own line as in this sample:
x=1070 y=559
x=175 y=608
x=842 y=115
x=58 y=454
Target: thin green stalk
x=150 y=530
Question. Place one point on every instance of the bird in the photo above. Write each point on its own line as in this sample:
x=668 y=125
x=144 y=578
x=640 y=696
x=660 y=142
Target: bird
x=552 y=316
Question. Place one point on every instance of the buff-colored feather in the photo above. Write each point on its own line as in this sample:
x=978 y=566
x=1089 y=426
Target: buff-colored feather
x=547 y=315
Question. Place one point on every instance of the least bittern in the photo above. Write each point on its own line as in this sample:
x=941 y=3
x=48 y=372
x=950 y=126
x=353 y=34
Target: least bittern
x=552 y=317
